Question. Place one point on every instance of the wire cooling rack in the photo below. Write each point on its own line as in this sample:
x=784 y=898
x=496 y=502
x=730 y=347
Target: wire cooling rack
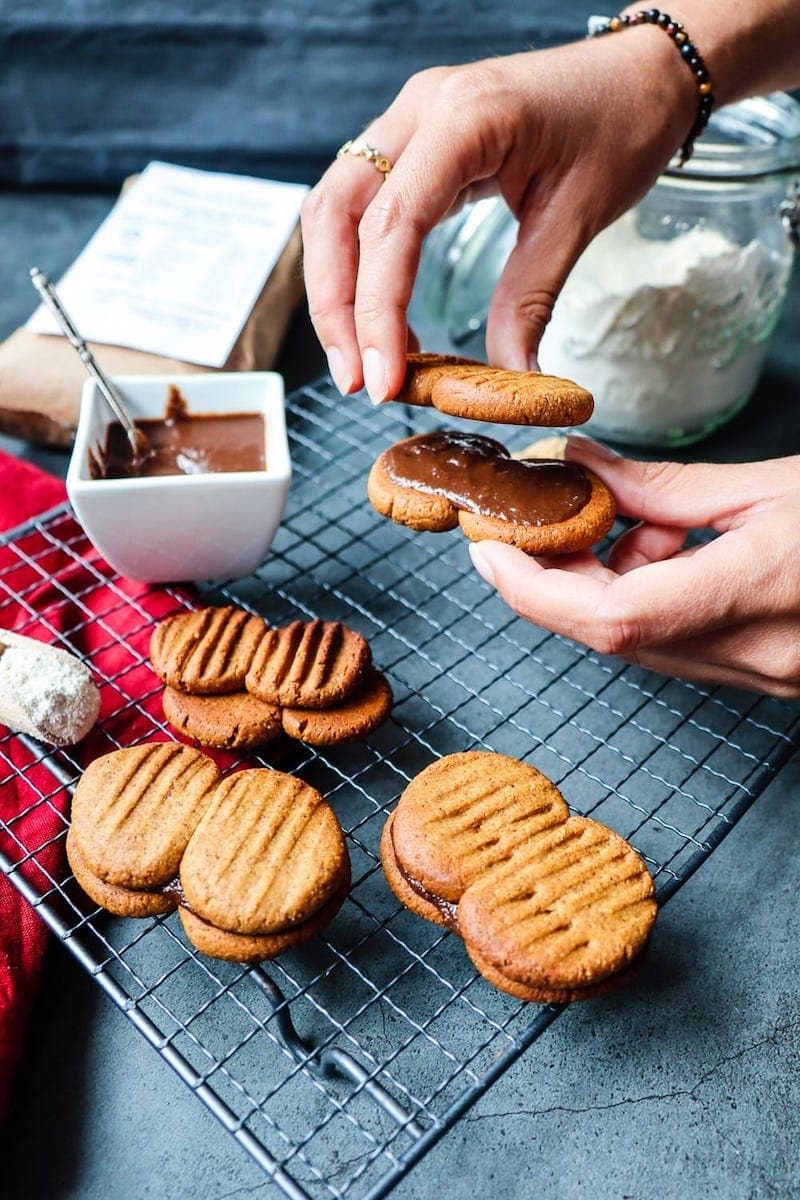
x=339 y=1065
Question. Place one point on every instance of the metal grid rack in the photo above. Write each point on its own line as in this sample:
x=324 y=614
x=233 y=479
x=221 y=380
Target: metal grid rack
x=339 y=1065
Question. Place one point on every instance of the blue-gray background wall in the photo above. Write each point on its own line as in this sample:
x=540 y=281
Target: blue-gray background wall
x=90 y=90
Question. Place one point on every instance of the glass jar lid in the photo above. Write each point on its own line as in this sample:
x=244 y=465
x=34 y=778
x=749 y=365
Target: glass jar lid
x=752 y=137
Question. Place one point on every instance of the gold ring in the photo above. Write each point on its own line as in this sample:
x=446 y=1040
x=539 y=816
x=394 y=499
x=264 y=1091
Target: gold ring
x=361 y=149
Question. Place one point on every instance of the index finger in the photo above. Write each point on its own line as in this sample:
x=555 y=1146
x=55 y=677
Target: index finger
x=329 y=219
x=434 y=168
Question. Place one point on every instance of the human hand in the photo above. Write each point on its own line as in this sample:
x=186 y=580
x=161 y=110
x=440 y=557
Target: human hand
x=724 y=612
x=570 y=137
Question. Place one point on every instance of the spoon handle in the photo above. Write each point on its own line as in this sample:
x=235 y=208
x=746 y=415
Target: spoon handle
x=51 y=298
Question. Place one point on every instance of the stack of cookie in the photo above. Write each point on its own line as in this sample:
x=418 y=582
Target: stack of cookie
x=255 y=863
x=441 y=480
x=551 y=907
x=234 y=682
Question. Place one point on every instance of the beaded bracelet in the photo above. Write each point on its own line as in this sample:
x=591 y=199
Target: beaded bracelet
x=688 y=52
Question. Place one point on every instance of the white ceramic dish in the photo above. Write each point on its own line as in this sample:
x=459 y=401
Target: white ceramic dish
x=184 y=527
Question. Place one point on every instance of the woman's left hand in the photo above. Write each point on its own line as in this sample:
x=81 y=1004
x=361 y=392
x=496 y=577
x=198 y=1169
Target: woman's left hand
x=724 y=612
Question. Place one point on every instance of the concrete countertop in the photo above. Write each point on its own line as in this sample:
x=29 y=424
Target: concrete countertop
x=687 y=1087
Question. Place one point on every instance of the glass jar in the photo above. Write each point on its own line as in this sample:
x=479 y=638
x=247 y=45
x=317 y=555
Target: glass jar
x=667 y=315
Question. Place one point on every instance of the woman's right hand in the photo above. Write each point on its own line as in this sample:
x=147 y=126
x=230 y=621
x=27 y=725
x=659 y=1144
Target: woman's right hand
x=570 y=137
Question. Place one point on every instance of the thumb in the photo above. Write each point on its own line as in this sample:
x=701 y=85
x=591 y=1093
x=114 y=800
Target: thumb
x=686 y=495
x=548 y=245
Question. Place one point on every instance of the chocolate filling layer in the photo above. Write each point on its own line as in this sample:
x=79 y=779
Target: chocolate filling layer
x=174 y=888
x=478 y=474
x=447 y=909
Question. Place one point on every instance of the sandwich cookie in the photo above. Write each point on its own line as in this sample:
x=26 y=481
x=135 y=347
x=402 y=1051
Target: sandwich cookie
x=133 y=813
x=551 y=908
x=438 y=481
x=268 y=870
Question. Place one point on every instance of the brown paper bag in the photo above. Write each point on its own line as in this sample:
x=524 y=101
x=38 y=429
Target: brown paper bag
x=41 y=377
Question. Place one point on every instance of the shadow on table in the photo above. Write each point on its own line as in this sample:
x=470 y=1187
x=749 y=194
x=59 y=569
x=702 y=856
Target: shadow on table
x=41 y=1143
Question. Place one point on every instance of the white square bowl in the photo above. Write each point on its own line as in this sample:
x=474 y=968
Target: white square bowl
x=184 y=527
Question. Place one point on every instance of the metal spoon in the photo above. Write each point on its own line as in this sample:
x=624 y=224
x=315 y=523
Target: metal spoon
x=140 y=447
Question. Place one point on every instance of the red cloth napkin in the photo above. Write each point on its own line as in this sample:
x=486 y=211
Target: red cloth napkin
x=44 y=587
x=24 y=491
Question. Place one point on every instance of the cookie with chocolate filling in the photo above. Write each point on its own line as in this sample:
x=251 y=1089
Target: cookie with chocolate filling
x=566 y=918
x=552 y=908
x=437 y=481
x=268 y=870
x=265 y=870
x=133 y=813
x=462 y=387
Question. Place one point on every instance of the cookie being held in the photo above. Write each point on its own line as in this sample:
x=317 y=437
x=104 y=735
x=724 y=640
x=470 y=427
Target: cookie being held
x=463 y=387
x=436 y=481
x=424 y=370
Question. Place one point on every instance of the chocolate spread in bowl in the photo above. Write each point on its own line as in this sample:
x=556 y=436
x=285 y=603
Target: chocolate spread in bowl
x=477 y=473
x=182 y=443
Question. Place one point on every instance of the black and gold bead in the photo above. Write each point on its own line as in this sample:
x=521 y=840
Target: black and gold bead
x=688 y=52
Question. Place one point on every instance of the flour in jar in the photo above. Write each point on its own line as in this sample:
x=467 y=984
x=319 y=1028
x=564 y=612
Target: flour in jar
x=667 y=334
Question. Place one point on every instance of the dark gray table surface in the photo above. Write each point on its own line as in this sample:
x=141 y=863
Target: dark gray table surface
x=689 y=1088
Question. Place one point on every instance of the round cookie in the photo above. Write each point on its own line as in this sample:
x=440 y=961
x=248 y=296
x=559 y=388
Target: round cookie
x=268 y=854
x=235 y=720
x=346 y=722
x=483 y=393
x=422 y=509
x=571 y=909
x=308 y=664
x=580 y=532
x=423 y=370
x=208 y=651
x=252 y=948
x=123 y=902
x=134 y=811
x=545 y=995
x=418 y=510
x=468 y=812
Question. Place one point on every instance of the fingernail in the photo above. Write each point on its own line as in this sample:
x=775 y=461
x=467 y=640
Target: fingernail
x=480 y=563
x=579 y=442
x=339 y=372
x=375 y=375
